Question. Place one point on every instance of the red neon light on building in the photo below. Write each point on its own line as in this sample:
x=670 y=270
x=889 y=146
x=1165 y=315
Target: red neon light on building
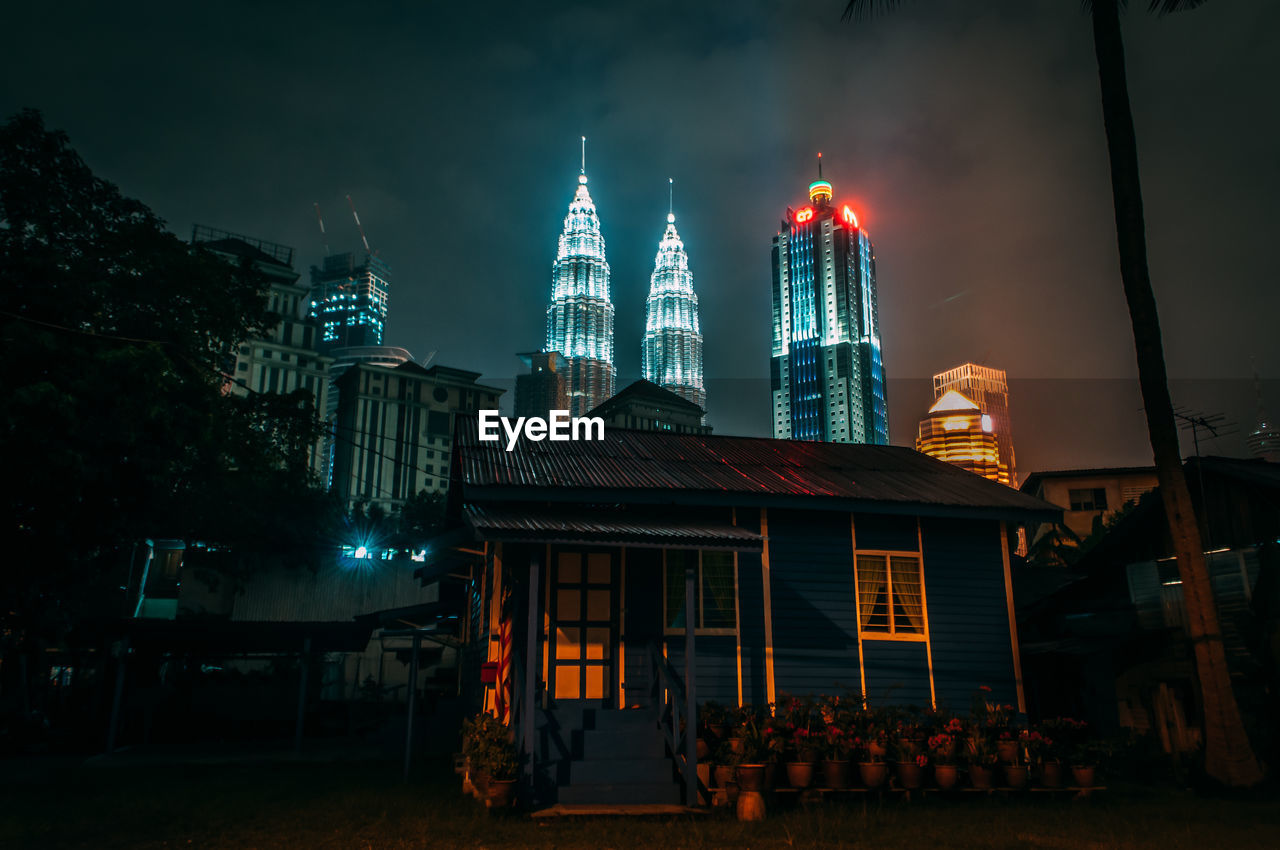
x=848 y=216
x=804 y=215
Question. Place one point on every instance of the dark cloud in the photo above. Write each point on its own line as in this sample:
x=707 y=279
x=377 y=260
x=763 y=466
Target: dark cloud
x=969 y=141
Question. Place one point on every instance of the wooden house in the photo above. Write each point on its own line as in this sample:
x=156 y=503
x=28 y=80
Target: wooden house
x=641 y=574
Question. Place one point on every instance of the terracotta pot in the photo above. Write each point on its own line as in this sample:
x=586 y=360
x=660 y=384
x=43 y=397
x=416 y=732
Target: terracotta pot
x=1084 y=775
x=1051 y=774
x=704 y=750
x=835 y=773
x=909 y=774
x=480 y=785
x=800 y=773
x=750 y=805
x=737 y=745
x=724 y=775
x=946 y=776
x=1015 y=776
x=979 y=776
x=750 y=777
x=501 y=793
x=873 y=773
x=1007 y=751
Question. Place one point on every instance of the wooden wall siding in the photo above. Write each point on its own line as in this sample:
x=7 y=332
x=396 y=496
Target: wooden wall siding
x=897 y=673
x=815 y=629
x=717 y=673
x=882 y=531
x=968 y=614
x=643 y=601
x=751 y=615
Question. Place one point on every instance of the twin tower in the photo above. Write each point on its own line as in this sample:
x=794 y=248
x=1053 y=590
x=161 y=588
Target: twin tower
x=580 y=316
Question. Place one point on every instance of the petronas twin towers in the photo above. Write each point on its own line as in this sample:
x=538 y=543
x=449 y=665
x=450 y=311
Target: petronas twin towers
x=580 y=316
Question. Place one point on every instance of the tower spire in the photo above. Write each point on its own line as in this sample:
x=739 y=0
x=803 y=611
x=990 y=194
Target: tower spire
x=584 y=155
x=671 y=200
x=819 y=165
x=820 y=190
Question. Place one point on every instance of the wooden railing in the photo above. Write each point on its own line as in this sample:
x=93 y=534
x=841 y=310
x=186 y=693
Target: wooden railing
x=676 y=718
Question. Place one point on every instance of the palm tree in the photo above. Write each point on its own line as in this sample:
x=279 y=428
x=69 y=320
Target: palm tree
x=1228 y=756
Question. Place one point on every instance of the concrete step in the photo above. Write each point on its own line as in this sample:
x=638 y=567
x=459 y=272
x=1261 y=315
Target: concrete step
x=602 y=771
x=618 y=720
x=626 y=792
x=622 y=745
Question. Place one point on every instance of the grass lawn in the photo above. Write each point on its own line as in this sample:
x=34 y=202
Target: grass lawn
x=365 y=807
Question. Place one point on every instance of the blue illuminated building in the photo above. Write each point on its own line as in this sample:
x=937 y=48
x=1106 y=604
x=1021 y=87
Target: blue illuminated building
x=350 y=300
x=827 y=370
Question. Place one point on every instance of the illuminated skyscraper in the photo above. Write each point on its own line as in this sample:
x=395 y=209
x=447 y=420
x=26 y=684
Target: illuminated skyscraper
x=989 y=389
x=827 y=374
x=350 y=300
x=580 y=316
x=958 y=432
x=672 y=348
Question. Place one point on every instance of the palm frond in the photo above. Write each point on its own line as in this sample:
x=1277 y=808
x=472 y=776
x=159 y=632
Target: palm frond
x=1167 y=7
x=862 y=9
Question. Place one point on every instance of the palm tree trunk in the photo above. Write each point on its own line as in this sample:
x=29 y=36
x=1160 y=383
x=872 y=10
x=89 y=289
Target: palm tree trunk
x=1228 y=756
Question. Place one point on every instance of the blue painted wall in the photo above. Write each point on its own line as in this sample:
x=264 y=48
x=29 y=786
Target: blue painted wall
x=751 y=615
x=897 y=673
x=968 y=614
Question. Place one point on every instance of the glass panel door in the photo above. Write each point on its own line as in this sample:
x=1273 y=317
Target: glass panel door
x=582 y=623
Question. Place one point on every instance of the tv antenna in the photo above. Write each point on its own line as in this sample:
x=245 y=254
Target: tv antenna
x=1215 y=425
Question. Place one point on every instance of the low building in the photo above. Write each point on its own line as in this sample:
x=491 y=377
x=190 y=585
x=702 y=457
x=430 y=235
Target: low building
x=1111 y=645
x=654 y=571
x=394 y=430
x=1088 y=497
x=958 y=432
x=645 y=406
x=544 y=387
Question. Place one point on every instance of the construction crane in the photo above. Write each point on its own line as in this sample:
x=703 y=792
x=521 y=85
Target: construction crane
x=324 y=237
x=359 y=226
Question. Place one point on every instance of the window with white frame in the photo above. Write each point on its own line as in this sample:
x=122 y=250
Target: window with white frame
x=714 y=588
x=890 y=593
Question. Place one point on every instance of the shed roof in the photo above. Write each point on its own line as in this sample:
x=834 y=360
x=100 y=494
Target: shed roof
x=605 y=526
x=650 y=467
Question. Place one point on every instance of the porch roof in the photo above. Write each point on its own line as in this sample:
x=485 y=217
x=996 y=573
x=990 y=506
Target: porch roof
x=514 y=524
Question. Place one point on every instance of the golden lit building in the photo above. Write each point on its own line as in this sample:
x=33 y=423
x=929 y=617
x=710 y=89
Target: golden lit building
x=989 y=389
x=958 y=432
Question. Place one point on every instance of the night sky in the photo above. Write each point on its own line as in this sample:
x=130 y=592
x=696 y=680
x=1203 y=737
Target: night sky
x=969 y=142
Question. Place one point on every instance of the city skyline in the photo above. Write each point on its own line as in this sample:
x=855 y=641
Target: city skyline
x=968 y=182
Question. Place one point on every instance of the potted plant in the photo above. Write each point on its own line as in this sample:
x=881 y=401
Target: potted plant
x=800 y=768
x=942 y=749
x=872 y=769
x=478 y=735
x=981 y=756
x=715 y=719
x=1044 y=756
x=1015 y=769
x=503 y=764
x=1085 y=760
x=726 y=769
x=837 y=743
x=754 y=755
x=909 y=765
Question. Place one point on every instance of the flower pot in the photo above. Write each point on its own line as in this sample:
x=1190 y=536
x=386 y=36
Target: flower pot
x=1051 y=774
x=800 y=773
x=737 y=745
x=909 y=774
x=501 y=793
x=873 y=773
x=1015 y=776
x=1084 y=775
x=724 y=775
x=704 y=750
x=946 y=776
x=979 y=776
x=1007 y=751
x=750 y=805
x=835 y=773
x=750 y=777
x=480 y=785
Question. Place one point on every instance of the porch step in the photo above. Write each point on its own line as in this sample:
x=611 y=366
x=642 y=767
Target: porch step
x=618 y=720
x=620 y=770
x=622 y=745
x=667 y=793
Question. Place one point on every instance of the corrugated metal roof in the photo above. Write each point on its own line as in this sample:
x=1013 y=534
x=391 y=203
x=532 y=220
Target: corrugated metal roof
x=701 y=468
x=603 y=525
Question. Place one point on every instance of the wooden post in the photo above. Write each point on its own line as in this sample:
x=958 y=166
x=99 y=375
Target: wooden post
x=691 y=703
x=302 y=695
x=530 y=671
x=413 y=704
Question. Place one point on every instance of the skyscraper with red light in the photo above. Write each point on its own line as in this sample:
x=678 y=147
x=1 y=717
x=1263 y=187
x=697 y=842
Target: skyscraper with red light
x=827 y=371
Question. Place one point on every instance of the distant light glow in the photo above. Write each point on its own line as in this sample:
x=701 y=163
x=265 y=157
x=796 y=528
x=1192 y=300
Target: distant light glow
x=362 y=552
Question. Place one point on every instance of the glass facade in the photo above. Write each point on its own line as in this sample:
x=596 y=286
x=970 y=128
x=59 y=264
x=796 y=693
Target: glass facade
x=350 y=301
x=827 y=370
x=671 y=353
x=580 y=315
